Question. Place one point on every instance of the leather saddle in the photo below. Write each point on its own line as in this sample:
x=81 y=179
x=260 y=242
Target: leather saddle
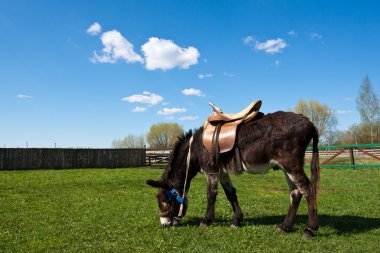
x=219 y=130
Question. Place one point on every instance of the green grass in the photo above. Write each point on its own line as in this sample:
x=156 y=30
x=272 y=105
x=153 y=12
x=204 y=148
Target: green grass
x=115 y=211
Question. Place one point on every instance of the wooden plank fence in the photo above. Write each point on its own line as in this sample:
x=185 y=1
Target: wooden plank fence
x=67 y=158
x=154 y=156
x=347 y=156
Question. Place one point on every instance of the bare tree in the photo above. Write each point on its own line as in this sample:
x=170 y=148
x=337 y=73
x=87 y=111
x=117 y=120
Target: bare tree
x=322 y=116
x=359 y=134
x=164 y=135
x=130 y=141
x=368 y=105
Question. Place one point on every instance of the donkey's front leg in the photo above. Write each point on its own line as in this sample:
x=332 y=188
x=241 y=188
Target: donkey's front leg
x=232 y=197
x=212 y=191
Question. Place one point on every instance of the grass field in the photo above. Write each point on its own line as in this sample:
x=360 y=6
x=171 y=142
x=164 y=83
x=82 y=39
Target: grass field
x=115 y=211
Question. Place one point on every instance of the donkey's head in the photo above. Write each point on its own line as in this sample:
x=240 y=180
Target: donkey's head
x=174 y=183
x=171 y=203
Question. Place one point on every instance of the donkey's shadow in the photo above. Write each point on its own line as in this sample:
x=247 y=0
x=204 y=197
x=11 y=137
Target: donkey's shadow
x=345 y=224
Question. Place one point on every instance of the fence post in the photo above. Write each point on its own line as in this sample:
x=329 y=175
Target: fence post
x=352 y=158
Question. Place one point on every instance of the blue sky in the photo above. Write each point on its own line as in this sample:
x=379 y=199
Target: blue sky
x=82 y=73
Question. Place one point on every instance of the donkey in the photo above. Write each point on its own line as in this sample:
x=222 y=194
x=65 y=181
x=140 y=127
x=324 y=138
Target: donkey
x=277 y=140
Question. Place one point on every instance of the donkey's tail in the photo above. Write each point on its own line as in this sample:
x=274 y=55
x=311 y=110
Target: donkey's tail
x=314 y=165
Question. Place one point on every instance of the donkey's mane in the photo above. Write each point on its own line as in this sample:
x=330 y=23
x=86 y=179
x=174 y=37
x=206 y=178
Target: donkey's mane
x=181 y=139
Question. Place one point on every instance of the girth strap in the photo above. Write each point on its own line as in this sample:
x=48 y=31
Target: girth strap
x=215 y=146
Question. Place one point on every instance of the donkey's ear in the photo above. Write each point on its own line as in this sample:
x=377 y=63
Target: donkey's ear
x=156 y=184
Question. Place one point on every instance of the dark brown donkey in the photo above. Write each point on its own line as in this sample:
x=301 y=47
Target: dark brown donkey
x=278 y=141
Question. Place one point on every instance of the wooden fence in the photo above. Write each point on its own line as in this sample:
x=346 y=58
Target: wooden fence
x=62 y=158
x=154 y=156
x=347 y=156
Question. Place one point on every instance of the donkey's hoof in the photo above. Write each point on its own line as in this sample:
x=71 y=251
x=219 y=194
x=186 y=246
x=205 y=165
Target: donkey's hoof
x=308 y=234
x=203 y=225
x=286 y=229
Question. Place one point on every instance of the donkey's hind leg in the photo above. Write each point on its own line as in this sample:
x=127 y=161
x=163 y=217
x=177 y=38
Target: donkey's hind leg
x=295 y=199
x=304 y=186
x=230 y=192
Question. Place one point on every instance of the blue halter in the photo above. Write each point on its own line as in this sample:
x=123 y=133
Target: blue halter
x=172 y=194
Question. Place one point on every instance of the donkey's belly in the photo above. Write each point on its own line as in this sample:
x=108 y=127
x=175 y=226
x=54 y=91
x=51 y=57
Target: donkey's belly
x=260 y=168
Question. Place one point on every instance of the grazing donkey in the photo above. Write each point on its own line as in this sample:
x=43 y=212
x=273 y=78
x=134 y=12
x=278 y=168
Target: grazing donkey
x=277 y=140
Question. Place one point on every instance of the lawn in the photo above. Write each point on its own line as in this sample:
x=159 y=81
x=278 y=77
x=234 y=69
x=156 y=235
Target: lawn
x=113 y=210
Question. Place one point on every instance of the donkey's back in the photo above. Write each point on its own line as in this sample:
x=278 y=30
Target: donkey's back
x=279 y=139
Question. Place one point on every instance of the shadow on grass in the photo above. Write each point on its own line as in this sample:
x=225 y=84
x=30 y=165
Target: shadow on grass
x=345 y=224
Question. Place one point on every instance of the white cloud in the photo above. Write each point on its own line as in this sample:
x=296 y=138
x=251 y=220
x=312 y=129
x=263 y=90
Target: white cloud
x=94 y=29
x=164 y=54
x=146 y=98
x=228 y=74
x=271 y=46
x=189 y=118
x=315 y=36
x=158 y=53
x=116 y=47
x=23 y=96
x=293 y=33
x=277 y=63
x=206 y=75
x=248 y=40
x=139 y=109
x=171 y=111
x=194 y=92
